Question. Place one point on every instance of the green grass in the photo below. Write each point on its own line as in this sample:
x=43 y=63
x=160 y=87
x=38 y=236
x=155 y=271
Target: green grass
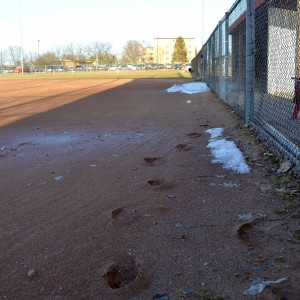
x=141 y=74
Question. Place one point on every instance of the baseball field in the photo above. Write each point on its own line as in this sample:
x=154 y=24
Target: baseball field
x=109 y=191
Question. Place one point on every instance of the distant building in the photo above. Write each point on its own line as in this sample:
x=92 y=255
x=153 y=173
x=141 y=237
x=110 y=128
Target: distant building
x=164 y=48
x=147 y=55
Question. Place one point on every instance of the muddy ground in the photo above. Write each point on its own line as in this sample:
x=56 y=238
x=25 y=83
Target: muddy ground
x=108 y=191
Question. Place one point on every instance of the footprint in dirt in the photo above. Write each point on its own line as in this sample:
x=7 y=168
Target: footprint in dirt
x=194 y=134
x=183 y=147
x=161 y=184
x=251 y=234
x=124 y=215
x=155 y=182
x=152 y=161
x=125 y=274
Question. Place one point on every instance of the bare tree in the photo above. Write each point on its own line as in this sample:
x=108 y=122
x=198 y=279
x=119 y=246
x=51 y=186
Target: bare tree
x=58 y=52
x=78 y=54
x=132 y=52
x=81 y=54
x=100 y=52
x=69 y=52
x=48 y=58
x=13 y=55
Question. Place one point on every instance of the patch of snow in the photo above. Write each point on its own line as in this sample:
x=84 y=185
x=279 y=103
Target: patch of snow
x=215 y=132
x=189 y=88
x=226 y=152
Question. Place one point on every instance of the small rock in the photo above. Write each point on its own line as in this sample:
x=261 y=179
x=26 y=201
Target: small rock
x=261 y=215
x=285 y=166
x=179 y=225
x=257 y=269
x=31 y=273
x=281 y=190
x=245 y=216
x=265 y=187
x=170 y=196
x=161 y=297
x=187 y=291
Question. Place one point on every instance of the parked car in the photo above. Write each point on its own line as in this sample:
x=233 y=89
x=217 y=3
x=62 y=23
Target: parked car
x=78 y=68
x=154 y=66
x=122 y=67
x=102 y=67
x=37 y=69
x=141 y=66
x=177 y=66
x=112 y=67
x=168 y=66
x=19 y=69
x=9 y=70
x=133 y=67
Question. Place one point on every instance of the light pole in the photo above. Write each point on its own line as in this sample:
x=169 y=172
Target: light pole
x=22 y=58
x=157 y=53
x=202 y=34
x=1 y=62
x=38 y=53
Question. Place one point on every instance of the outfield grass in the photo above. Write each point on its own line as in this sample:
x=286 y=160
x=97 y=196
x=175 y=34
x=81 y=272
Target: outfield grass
x=141 y=74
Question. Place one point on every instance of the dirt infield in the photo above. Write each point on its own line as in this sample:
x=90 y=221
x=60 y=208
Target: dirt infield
x=108 y=191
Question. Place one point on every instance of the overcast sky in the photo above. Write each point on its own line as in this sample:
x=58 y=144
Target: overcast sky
x=60 y=22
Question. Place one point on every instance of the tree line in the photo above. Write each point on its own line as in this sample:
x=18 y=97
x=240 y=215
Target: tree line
x=99 y=52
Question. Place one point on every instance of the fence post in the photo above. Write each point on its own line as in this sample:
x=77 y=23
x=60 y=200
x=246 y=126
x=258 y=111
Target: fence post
x=204 y=62
x=250 y=39
x=220 y=61
x=297 y=56
x=226 y=56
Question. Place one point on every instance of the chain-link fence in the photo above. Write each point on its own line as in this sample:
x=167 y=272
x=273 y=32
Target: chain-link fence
x=252 y=61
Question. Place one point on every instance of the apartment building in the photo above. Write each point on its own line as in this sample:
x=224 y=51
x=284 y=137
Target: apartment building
x=163 y=49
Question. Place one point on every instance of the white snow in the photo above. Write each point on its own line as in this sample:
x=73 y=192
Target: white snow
x=226 y=152
x=189 y=88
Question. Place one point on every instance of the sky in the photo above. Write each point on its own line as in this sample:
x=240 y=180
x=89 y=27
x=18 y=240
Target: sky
x=60 y=22
x=223 y=151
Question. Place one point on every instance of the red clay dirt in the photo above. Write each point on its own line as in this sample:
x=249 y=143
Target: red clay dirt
x=108 y=191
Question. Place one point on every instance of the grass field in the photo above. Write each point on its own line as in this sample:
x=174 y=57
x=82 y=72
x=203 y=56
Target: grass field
x=142 y=74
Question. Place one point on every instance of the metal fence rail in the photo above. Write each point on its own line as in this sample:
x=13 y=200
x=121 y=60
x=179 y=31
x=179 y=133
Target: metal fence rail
x=252 y=61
